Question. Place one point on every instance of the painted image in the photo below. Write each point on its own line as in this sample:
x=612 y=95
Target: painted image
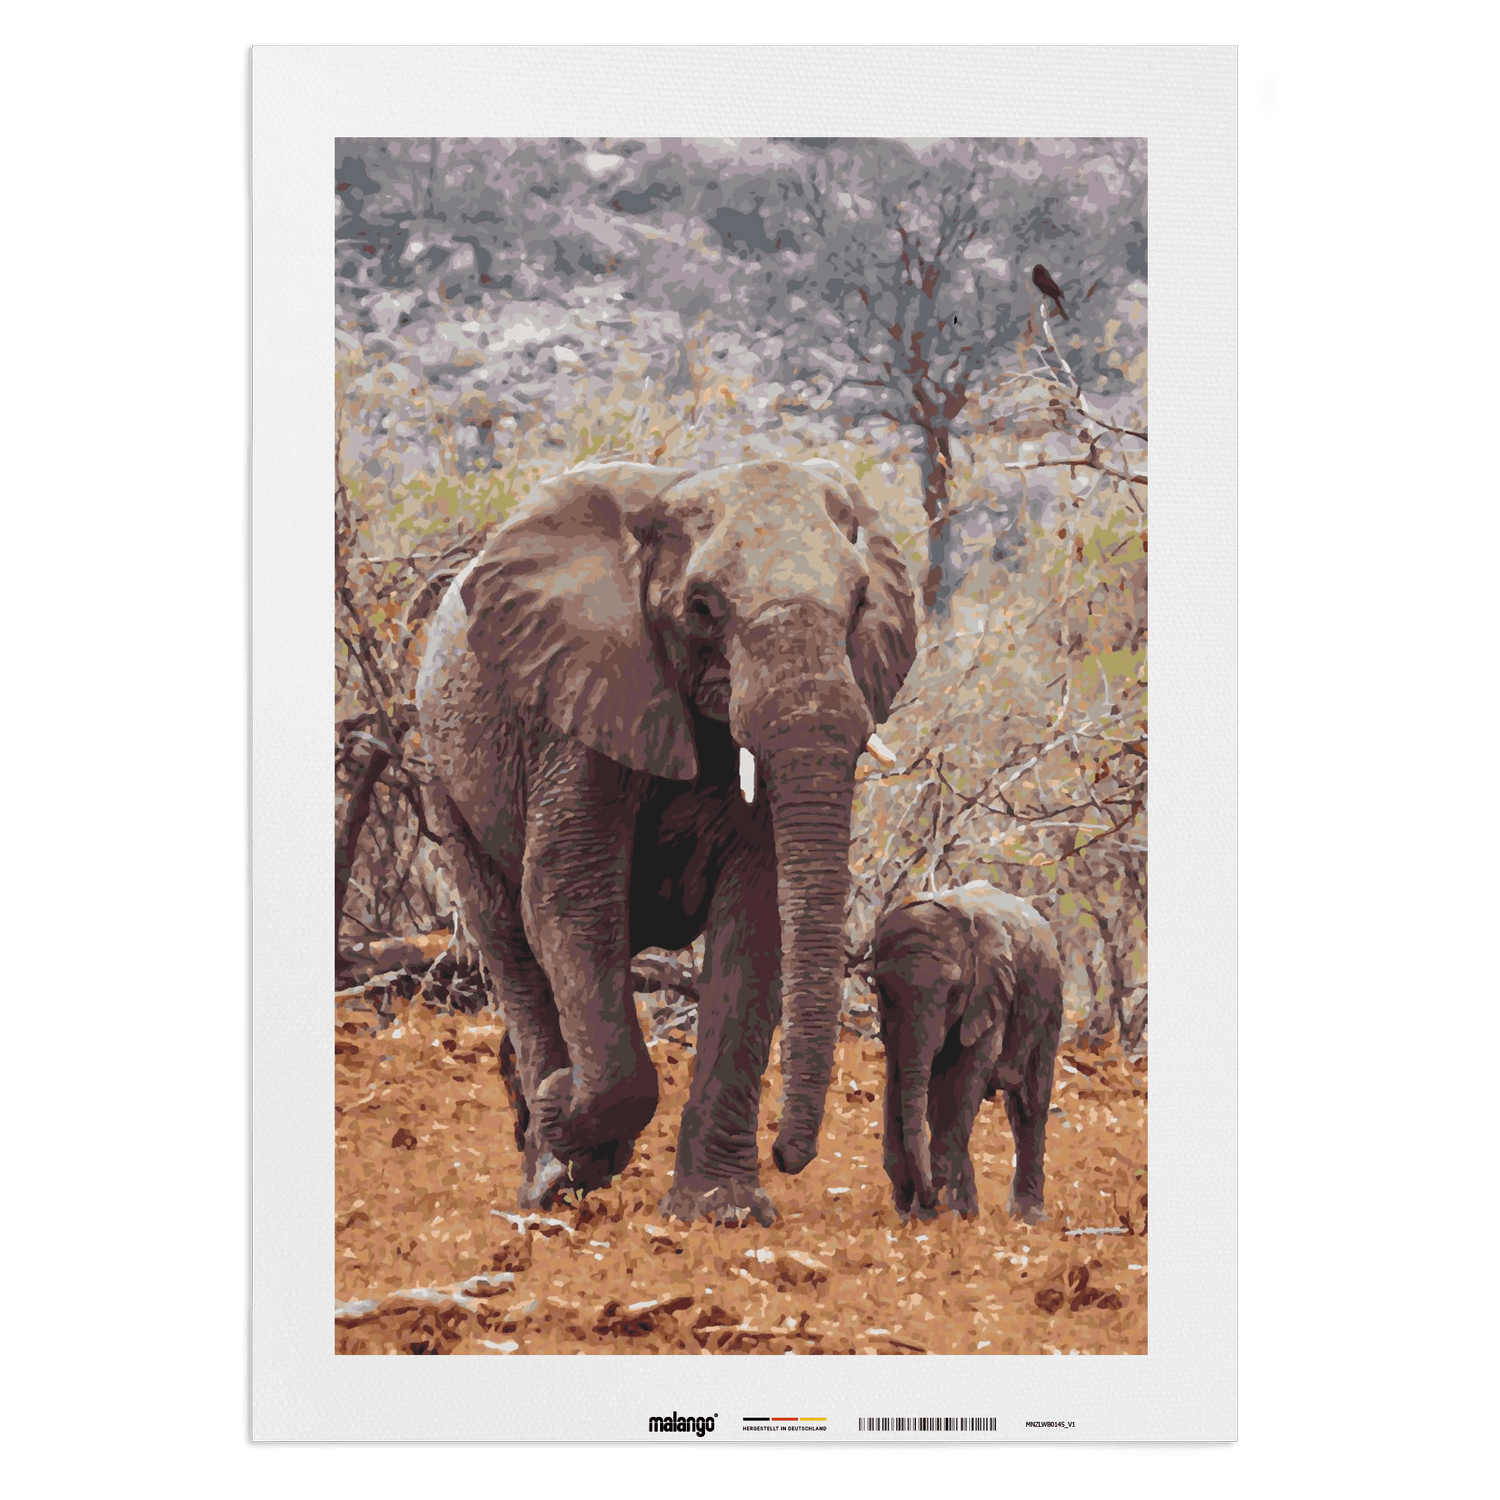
x=741 y=746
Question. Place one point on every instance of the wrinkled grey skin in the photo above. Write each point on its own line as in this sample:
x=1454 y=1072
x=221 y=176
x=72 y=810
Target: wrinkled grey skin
x=971 y=1005
x=588 y=683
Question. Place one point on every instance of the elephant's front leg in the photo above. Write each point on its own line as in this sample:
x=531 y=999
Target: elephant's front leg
x=575 y=891
x=717 y=1174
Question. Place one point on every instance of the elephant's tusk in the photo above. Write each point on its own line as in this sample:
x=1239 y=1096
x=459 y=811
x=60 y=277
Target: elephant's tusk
x=880 y=750
x=747 y=776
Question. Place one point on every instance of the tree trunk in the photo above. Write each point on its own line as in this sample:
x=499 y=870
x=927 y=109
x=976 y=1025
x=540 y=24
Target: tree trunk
x=1097 y=1026
x=1117 y=934
x=356 y=814
x=935 y=460
x=1094 y=1029
x=1106 y=1012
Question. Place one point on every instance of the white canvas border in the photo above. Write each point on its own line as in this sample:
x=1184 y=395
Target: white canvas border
x=1183 y=100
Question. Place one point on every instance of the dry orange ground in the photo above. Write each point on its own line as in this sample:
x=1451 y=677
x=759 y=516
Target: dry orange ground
x=425 y=1154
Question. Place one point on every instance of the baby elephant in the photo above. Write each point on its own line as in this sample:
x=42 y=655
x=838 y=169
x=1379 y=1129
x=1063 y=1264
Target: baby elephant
x=971 y=1005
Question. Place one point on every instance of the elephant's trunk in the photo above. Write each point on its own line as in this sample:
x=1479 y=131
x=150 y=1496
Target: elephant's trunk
x=811 y=793
x=794 y=703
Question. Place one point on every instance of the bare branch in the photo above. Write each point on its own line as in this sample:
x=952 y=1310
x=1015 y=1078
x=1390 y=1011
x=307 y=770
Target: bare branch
x=1087 y=461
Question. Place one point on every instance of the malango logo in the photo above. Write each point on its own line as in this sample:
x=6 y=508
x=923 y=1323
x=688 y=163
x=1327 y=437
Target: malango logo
x=696 y=1425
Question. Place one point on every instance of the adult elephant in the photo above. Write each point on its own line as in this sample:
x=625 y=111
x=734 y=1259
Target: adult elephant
x=590 y=684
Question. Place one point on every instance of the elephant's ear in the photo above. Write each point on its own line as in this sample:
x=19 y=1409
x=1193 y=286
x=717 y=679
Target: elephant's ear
x=555 y=607
x=883 y=642
x=994 y=988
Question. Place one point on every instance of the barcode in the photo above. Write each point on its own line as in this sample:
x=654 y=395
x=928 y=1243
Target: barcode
x=928 y=1424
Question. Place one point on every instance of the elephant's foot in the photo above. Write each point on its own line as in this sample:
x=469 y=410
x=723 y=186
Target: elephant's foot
x=902 y=1193
x=549 y=1180
x=600 y=1167
x=545 y=1180
x=961 y=1200
x=1027 y=1210
x=574 y=1124
x=731 y=1203
x=955 y=1184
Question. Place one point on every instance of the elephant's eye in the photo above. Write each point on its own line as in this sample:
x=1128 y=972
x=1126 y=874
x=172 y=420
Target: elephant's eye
x=704 y=606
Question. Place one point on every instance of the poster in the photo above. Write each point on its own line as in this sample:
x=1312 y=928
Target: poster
x=699 y=497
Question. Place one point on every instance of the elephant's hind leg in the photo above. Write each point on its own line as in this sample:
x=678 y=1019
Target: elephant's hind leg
x=1026 y=1107
x=1029 y=1128
x=1028 y=1098
x=510 y=1076
x=959 y=1080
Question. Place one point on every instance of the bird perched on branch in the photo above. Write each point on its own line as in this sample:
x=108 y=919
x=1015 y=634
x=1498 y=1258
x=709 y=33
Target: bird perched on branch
x=1041 y=279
